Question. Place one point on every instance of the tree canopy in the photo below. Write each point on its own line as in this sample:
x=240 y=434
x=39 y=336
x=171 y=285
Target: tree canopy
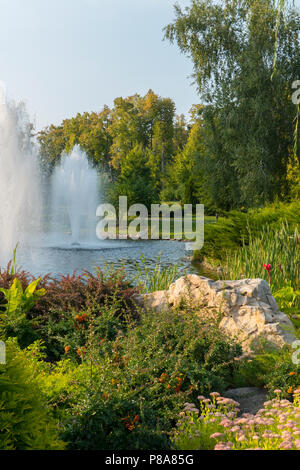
x=236 y=149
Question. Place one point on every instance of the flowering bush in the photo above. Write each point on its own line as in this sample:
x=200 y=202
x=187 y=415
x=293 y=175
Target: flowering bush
x=216 y=425
x=137 y=383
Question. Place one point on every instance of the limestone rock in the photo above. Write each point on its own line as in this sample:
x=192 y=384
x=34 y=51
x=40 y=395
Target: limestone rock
x=156 y=301
x=247 y=307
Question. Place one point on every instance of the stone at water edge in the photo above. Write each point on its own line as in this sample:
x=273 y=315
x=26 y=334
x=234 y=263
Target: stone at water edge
x=247 y=307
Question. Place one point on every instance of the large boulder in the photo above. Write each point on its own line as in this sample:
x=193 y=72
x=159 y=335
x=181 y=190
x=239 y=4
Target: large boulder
x=247 y=308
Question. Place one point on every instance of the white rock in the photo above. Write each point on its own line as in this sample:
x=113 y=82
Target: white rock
x=249 y=311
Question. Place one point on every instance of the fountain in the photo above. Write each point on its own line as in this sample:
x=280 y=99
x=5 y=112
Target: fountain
x=64 y=240
x=19 y=181
x=74 y=200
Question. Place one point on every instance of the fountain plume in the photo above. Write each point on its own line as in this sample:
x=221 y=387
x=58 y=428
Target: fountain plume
x=74 y=198
x=19 y=180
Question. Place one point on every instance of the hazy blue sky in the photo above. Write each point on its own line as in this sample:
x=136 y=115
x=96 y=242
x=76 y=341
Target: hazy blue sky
x=67 y=56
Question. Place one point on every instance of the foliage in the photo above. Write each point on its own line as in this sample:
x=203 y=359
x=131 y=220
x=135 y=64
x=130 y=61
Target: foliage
x=13 y=321
x=148 y=279
x=284 y=373
x=143 y=377
x=215 y=425
x=25 y=419
x=269 y=369
x=185 y=179
x=231 y=233
x=132 y=143
x=280 y=248
x=247 y=130
x=288 y=299
x=122 y=379
x=134 y=180
x=52 y=315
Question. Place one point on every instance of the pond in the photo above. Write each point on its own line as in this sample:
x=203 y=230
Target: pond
x=66 y=258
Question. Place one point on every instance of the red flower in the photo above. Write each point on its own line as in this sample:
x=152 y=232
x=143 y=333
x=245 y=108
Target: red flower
x=268 y=267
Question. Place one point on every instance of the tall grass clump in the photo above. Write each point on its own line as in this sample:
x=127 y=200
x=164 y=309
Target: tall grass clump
x=232 y=232
x=148 y=279
x=280 y=248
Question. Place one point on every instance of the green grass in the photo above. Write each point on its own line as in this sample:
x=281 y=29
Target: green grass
x=148 y=279
x=279 y=247
x=231 y=233
x=179 y=234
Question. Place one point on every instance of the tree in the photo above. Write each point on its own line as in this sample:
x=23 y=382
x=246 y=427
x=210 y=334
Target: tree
x=248 y=115
x=52 y=144
x=134 y=179
x=185 y=177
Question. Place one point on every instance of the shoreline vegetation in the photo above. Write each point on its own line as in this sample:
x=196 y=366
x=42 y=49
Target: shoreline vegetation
x=147 y=378
x=98 y=372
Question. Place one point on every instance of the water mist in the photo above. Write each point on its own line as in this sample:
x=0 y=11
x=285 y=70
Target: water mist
x=19 y=181
x=74 y=199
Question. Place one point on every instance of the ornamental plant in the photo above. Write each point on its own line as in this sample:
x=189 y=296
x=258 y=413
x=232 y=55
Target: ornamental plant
x=26 y=419
x=215 y=424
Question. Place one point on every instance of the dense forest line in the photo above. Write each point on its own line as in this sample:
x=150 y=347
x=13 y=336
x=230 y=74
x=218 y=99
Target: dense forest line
x=236 y=149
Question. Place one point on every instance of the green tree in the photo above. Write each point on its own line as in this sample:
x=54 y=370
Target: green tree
x=52 y=144
x=248 y=116
x=134 y=179
x=185 y=174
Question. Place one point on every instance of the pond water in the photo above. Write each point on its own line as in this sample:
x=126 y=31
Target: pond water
x=66 y=258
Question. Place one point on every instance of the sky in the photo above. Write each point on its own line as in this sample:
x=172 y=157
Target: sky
x=67 y=56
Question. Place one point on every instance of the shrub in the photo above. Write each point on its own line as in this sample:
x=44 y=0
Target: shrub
x=226 y=236
x=17 y=304
x=51 y=316
x=141 y=379
x=270 y=370
x=25 y=418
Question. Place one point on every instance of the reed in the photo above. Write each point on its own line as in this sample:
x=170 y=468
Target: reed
x=278 y=247
x=148 y=279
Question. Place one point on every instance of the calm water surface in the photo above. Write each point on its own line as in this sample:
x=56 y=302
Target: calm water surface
x=65 y=258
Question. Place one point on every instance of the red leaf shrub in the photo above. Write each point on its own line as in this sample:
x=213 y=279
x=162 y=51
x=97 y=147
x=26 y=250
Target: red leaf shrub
x=74 y=292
